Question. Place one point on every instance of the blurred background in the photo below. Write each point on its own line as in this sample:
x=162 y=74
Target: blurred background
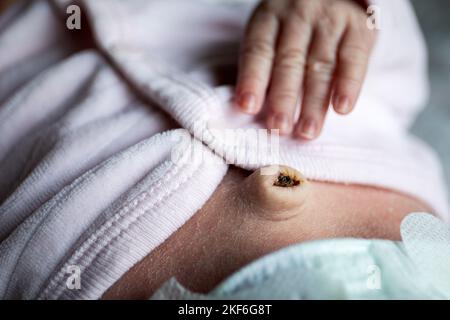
x=433 y=125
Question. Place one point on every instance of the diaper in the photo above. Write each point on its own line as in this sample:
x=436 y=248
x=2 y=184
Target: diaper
x=344 y=269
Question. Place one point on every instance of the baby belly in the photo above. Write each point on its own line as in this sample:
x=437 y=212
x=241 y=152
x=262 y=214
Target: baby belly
x=236 y=227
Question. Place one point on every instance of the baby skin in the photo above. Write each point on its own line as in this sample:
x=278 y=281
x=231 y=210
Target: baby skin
x=251 y=215
x=304 y=53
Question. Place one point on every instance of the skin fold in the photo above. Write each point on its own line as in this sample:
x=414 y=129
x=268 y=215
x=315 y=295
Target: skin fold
x=249 y=216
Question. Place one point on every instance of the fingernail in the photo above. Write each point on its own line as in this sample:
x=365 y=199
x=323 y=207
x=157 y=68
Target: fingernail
x=308 y=129
x=342 y=104
x=247 y=102
x=281 y=121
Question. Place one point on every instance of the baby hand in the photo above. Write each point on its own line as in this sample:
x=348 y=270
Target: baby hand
x=316 y=49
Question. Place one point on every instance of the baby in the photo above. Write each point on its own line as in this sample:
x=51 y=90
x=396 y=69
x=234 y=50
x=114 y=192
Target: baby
x=88 y=179
x=301 y=50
